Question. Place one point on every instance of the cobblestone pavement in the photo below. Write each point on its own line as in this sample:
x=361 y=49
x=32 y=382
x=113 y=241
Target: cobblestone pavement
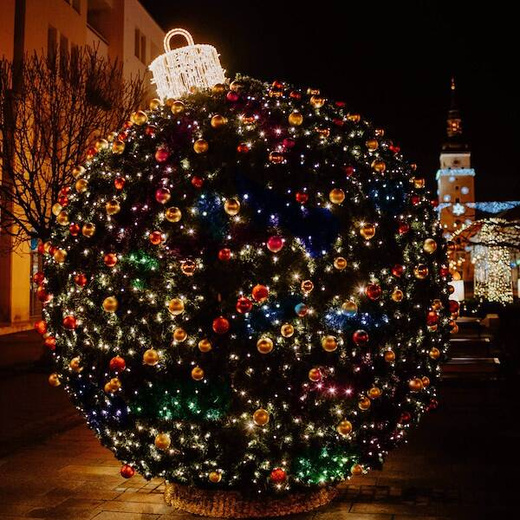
x=461 y=463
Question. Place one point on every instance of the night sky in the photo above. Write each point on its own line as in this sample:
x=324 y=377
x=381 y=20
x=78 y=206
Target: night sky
x=390 y=61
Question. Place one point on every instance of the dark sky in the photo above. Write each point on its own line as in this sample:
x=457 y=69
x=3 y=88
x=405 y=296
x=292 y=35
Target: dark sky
x=391 y=61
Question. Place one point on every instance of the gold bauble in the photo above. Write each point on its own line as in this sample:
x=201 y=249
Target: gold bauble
x=197 y=374
x=63 y=218
x=54 y=379
x=353 y=118
x=317 y=101
x=379 y=132
x=287 y=330
x=162 y=441
x=434 y=353
x=364 y=403
x=200 y=146
x=215 y=477
x=177 y=107
x=188 y=267
x=314 y=375
x=389 y=356
x=179 y=334
x=232 y=207
x=75 y=364
x=218 y=121
x=430 y=246
x=420 y=271
x=295 y=118
x=425 y=381
x=415 y=384
x=350 y=307
x=154 y=104
x=261 y=417
x=374 y=392
x=151 y=357
x=397 y=295
x=340 y=263
x=176 y=306
x=112 y=207
x=60 y=255
x=264 y=345
x=110 y=304
x=307 y=286
x=205 y=345
x=419 y=183
x=372 y=145
x=344 y=428
x=437 y=305
x=88 y=229
x=337 y=196
x=236 y=85
x=139 y=118
x=313 y=91
x=454 y=328
x=218 y=88
x=118 y=147
x=329 y=343
x=81 y=185
x=56 y=209
x=378 y=166
x=367 y=231
x=113 y=385
x=356 y=470
x=78 y=171
x=173 y=214
x=100 y=144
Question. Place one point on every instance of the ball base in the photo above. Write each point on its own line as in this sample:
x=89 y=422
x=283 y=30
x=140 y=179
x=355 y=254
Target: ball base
x=231 y=504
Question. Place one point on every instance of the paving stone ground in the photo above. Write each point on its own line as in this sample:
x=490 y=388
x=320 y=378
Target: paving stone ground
x=461 y=463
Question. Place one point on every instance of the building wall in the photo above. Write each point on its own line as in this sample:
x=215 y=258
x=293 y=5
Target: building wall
x=7 y=29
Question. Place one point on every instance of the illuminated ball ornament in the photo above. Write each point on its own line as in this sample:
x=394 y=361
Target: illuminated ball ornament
x=287 y=330
x=275 y=244
x=344 y=428
x=337 y=196
x=221 y=325
x=110 y=304
x=261 y=417
x=173 y=214
x=264 y=345
x=176 y=306
x=329 y=343
x=367 y=231
x=260 y=293
x=151 y=357
x=232 y=207
x=162 y=441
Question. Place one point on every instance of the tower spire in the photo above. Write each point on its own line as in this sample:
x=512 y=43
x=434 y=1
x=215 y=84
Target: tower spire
x=454 y=138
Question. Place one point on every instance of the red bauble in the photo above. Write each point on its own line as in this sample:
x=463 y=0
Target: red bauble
x=43 y=295
x=398 y=270
x=277 y=84
x=260 y=293
x=338 y=122
x=434 y=203
x=127 y=125
x=278 y=475
x=224 y=255
x=415 y=199
x=162 y=155
x=110 y=259
x=70 y=322
x=360 y=337
x=453 y=305
x=275 y=244
x=302 y=197
x=117 y=364
x=232 y=96
x=243 y=148
x=197 y=182
x=50 y=342
x=405 y=417
x=288 y=143
x=65 y=190
x=74 y=230
x=38 y=278
x=41 y=248
x=155 y=238
x=373 y=291
x=63 y=200
x=162 y=195
x=404 y=228
x=80 y=279
x=444 y=271
x=432 y=318
x=52 y=250
x=220 y=325
x=127 y=471
x=349 y=170
x=295 y=94
x=91 y=153
x=40 y=327
x=340 y=104
x=434 y=404
x=244 y=305
x=150 y=130
x=122 y=136
x=119 y=183
x=394 y=149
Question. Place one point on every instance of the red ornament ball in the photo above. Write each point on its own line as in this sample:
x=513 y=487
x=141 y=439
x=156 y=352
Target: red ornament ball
x=43 y=295
x=220 y=325
x=162 y=195
x=444 y=271
x=80 y=279
x=40 y=327
x=453 y=305
x=38 y=278
x=232 y=96
x=349 y=170
x=224 y=255
x=155 y=238
x=432 y=318
x=70 y=322
x=127 y=471
x=302 y=197
x=404 y=228
x=288 y=143
x=74 y=230
x=244 y=305
x=260 y=293
x=197 y=182
x=360 y=338
x=117 y=364
x=110 y=259
x=275 y=244
x=373 y=291
x=50 y=343
x=243 y=148
x=406 y=417
x=278 y=475
x=162 y=155
x=119 y=183
x=398 y=270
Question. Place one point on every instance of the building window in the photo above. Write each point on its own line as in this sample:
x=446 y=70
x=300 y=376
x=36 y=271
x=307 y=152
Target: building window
x=77 y=5
x=154 y=51
x=143 y=48
x=64 y=51
x=137 y=43
x=52 y=43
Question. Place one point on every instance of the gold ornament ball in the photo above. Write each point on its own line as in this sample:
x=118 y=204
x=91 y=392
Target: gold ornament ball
x=415 y=384
x=200 y=146
x=63 y=218
x=419 y=183
x=344 y=428
x=118 y=147
x=436 y=305
x=151 y=357
x=54 y=379
x=217 y=121
x=60 y=255
x=307 y=286
x=176 y=306
x=379 y=166
x=420 y=271
x=75 y=364
x=356 y=470
x=215 y=477
x=350 y=307
x=232 y=207
x=329 y=343
x=372 y=145
x=367 y=231
x=337 y=196
x=389 y=356
x=188 y=267
x=295 y=118
x=430 y=246
x=364 y=403
x=115 y=384
x=56 y=208
x=112 y=207
x=78 y=171
x=162 y=441
x=425 y=381
x=374 y=392
x=177 y=107
x=100 y=144
x=454 y=328
x=397 y=295
x=218 y=88
x=287 y=330
x=261 y=417
x=264 y=345
x=180 y=335
x=434 y=353
x=340 y=263
x=173 y=214
x=236 y=85
x=314 y=375
x=197 y=374
x=353 y=118
x=139 y=118
x=110 y=304
x=154 y=104
x=317 y=101
x=108 y=388
x=88 y=230
x=205 y=345
x=81 y=185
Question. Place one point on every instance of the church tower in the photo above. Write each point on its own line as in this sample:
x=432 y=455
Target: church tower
x=456 y=184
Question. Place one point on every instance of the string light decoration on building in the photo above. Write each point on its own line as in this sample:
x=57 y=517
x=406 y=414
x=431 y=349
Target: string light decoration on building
x=246 y=292
x=178 y=71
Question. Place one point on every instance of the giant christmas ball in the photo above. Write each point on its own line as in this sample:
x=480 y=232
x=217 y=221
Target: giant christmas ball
x=317 y=326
